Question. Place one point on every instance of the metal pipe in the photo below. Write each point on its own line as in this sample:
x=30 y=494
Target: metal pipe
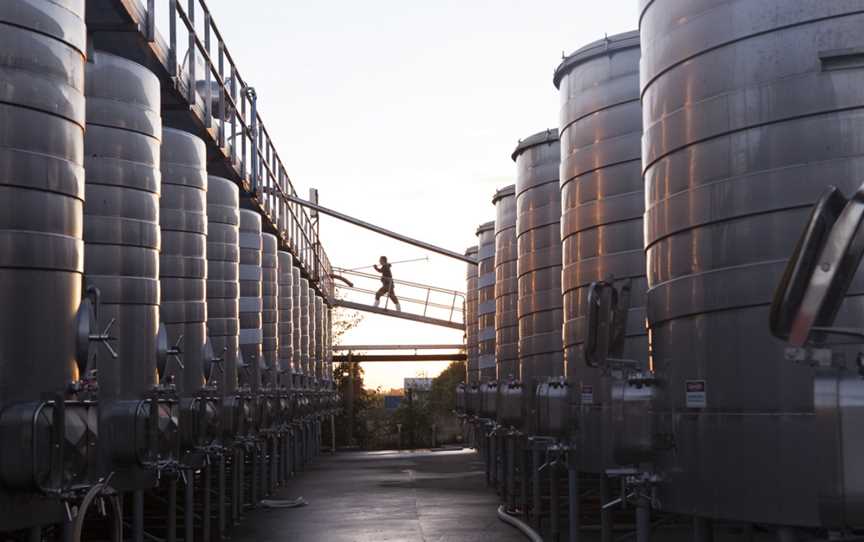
x=380 y=230
x=396 y=358
x=368 y=347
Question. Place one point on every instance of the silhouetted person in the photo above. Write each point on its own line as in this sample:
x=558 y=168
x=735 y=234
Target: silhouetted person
x=387 y=286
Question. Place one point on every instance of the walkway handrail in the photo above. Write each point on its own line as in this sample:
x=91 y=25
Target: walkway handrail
x=340 y=271
x=454 y=305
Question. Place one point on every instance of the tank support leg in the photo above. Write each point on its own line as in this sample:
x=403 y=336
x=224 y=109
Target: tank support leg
x=536 y=462
x=643 y=520
x=490 y=460
x=221 y=497
x=605 y=514
x=254 y=462
x=511 y=473
x=787 y=534
x=554 y=504
x=189 y=507
x=138 y=516
x=239 y=465
x=172 y=511
x=524 y=470
x=573 y=501
x=703 y=530
x=205 y=505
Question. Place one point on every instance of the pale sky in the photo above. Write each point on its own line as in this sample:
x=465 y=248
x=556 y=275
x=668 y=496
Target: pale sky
x=405 y=113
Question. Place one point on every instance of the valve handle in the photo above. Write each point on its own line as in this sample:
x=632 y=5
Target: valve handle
x=105 y=338
x=176 y=352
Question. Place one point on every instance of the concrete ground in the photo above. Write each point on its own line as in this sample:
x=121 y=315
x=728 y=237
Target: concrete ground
x=385 y=496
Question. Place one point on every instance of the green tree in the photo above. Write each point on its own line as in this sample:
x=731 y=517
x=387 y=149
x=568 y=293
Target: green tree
x=415 y=416
x=349 y=425
x=350 y=428
x=443 y=395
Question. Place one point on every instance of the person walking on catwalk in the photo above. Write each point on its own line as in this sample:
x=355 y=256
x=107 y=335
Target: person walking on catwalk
x=387 y=286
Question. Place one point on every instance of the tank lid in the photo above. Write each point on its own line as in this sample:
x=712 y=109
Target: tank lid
x=547 y=136
x=471 y=251
x=486 y=226
x=502 y=193
x=601 y=47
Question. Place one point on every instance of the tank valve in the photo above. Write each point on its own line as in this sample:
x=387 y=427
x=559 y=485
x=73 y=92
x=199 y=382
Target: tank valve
x=636 y=487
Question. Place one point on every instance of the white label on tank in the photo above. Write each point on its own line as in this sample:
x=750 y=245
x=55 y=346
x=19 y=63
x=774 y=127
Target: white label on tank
x=697 y=394
x=587 y=395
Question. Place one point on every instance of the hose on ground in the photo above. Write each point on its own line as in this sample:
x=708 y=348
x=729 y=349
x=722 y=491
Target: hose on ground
x=116 y=514
x=529 y=533
x=273 y=503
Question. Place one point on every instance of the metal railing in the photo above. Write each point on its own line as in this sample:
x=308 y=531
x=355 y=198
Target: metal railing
x=435 y=302
x=227 y=107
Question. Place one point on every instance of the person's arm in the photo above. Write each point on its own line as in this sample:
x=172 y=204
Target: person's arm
x=376 y=268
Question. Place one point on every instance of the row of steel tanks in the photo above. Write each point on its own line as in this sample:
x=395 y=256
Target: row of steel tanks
x=646 y=387
x=153 y=341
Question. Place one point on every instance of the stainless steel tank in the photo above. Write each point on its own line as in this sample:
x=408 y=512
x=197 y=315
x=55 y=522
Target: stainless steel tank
x=538 y=216
x=471 y=323
x=750 y=109
x=183 y=282
x=270 y=312
x=506 y=293
x=121 y=259
x=486 y=301
x=297 y=328
x=286 y=319
x=602 y=202
x=42 y=186
x=328 y=345
x=251 y=301
x=319 y=339
x=307 y=329
x=183 y=258
x=223 y=275
x=41 y=230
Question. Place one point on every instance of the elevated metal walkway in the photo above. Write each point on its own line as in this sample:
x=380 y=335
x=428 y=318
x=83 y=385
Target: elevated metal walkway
x=420 y=302
x=398 y=314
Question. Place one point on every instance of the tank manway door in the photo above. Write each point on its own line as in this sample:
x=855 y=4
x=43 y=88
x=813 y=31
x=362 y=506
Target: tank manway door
x=818 y=276
x=806 y=303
